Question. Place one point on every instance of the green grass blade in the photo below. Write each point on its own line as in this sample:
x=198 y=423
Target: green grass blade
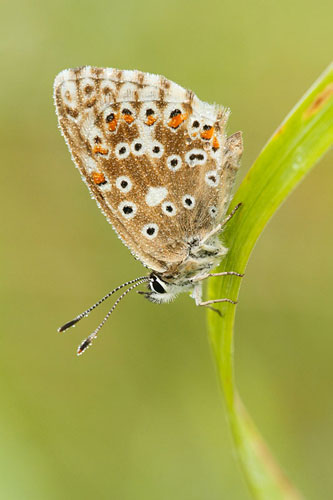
x=304 y=136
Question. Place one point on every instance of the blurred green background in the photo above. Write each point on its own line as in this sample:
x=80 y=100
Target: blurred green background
x=140 y=415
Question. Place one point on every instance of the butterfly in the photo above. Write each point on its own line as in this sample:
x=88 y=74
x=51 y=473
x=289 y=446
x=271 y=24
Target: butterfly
x=161 y=168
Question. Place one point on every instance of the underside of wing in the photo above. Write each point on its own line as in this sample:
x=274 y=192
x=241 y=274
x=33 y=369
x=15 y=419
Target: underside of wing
x=155 y=157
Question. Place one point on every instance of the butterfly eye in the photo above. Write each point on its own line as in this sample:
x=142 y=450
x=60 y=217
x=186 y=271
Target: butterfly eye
x=156 y=285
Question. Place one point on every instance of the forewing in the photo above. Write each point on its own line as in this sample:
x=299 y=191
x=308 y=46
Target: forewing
x=155 y=157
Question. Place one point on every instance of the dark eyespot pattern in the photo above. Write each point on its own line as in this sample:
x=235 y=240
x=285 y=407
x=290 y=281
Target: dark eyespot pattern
x=109 y=118
x=128 y=209
x=124 y=184
x=149 y=112
x=137 y=146
x=195 y=157
x=195 y=124
x=169 y=208
x=212 y=178
x=188 y=202
x=157 y=149
x=174 y=162
x=150 y=231
x=175 y=112
x=212 y=211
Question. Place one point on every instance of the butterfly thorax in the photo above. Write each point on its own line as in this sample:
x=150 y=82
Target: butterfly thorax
x=187 y=275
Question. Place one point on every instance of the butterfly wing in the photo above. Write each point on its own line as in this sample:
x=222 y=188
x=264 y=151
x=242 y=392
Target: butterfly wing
x=155 y=157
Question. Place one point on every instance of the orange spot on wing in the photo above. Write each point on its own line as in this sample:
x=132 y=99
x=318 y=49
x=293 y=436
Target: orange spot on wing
x=150 y=120
x=128 y=118
x=113 y=124
x=207 y=134
x=177 y=120
x=98 y=178
x=99 y=149
x=216 y=143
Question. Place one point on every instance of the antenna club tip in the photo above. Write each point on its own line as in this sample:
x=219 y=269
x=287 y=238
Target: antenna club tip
x=67 y=325
x=83 y=346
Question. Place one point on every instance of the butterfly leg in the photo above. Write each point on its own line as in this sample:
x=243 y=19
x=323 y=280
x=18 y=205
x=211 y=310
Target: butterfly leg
x=226 y=273
x=214 y=275
x=197 y=296
x=216 y=301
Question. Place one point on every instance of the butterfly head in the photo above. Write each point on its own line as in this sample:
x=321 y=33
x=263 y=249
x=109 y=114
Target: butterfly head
x=160 y=291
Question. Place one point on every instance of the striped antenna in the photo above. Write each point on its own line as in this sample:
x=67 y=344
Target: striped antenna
x=88 y=341
x=73 y=322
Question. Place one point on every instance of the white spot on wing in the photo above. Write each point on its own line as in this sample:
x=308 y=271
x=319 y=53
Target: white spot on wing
x=150 y=231
x=155 y=196
x=127 y=209
x=156 y=149
x=174 y=162
x=212 y=178
x=212 y=211
x=188 y=201
x=137 y=147
x=195 y=157
x=124 y=184
x=122 y=150
x=169 y=208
